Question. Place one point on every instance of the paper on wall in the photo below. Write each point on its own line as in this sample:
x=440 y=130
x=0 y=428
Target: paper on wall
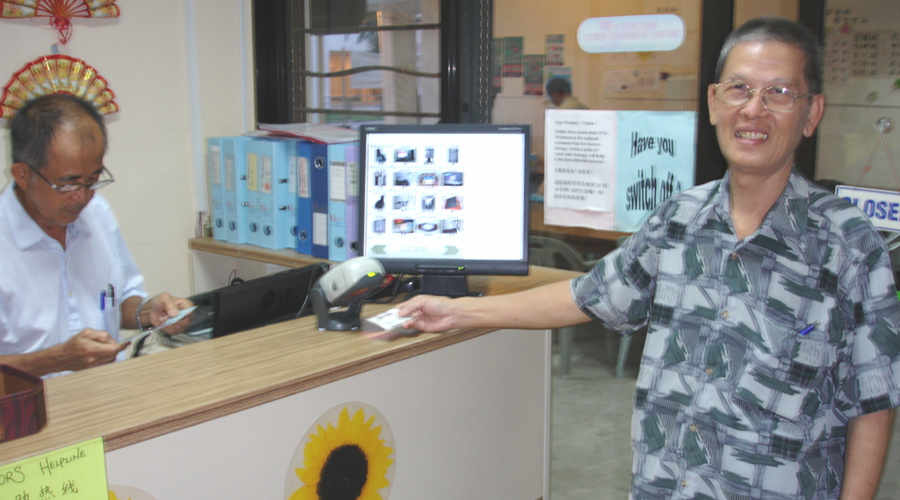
x=579 y=159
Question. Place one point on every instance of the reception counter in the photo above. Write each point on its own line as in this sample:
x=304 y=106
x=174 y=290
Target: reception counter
x=222 y=418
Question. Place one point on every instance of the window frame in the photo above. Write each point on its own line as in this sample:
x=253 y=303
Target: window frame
x=280 y=61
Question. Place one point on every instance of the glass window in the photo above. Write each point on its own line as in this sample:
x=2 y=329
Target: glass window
x=545 y=36
x=367 y=61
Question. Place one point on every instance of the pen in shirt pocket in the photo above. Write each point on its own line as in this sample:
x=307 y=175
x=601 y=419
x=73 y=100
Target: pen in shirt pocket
x=109 y=293
x=808 y=328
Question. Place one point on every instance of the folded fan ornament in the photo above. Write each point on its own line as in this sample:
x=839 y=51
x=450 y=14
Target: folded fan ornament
x=60 y=12
x=57 y=74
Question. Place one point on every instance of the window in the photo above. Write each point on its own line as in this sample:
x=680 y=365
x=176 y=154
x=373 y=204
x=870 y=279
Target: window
x=435 y=53
x=348 y=62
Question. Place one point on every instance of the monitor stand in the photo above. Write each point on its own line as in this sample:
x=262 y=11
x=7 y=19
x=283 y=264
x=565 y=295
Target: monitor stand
x=442 y=284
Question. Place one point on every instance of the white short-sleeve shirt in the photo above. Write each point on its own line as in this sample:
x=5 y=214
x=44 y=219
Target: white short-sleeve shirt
x=47 y=294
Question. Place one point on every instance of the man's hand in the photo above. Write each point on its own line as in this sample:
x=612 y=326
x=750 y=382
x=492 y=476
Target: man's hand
x=86 y=349
x=549 y=306
x=429 y=313
x=162 y=307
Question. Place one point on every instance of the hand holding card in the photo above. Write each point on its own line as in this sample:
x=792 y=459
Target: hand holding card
x=174 y=319
x=386 y=326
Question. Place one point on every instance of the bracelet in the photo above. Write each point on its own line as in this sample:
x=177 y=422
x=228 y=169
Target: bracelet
x=137 y=313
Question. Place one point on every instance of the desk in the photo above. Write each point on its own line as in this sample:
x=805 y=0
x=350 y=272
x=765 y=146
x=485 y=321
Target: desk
x=221 y=418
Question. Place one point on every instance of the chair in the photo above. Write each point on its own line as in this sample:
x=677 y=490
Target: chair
x=551 y=252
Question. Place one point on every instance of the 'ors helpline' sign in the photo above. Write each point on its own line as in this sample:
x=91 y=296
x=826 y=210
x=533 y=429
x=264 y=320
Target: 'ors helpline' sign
x=882 y=207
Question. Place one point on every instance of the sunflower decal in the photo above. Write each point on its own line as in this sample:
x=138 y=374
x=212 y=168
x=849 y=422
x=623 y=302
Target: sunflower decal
x=352 y=459
x=124 y=492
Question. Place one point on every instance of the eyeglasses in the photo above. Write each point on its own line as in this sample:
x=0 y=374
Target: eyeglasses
x=778 y=99
x=75 y=186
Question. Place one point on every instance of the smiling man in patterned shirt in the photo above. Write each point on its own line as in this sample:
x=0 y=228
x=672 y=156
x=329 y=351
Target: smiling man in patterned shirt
x=772 y=362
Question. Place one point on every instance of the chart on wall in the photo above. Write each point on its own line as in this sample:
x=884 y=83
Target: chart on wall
x=860 y=42
x=862 y=94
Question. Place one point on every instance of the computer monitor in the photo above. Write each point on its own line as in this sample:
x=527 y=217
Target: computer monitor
x=262 y=301
x=445 y=201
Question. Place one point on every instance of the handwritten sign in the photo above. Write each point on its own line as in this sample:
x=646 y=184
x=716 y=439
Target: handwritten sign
x=881 y=206
x=74 y=473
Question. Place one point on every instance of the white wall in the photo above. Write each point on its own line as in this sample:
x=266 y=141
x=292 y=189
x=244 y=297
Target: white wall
x=176 y=82
x=745 y=10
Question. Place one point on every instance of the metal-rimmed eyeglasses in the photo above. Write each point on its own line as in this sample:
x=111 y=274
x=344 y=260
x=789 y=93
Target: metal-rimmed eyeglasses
x=777 y=99
x=75 y=186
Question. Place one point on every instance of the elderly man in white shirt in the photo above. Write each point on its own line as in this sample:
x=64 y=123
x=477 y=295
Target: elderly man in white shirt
x=69 y=283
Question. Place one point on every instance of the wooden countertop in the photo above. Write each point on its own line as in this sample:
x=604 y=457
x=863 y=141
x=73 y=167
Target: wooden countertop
x=139 y=399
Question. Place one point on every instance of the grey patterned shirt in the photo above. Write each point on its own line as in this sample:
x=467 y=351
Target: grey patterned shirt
x=758 y=351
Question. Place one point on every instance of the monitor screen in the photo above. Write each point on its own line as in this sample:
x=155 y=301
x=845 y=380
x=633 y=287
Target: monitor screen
x=445 y=201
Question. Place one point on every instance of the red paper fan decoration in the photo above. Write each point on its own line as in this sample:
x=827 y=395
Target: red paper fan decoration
x=57 y=74
x=60 y=12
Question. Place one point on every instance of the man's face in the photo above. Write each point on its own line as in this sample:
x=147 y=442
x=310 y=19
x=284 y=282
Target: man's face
x=752 y=138
x=557 y=98
x=76 y=155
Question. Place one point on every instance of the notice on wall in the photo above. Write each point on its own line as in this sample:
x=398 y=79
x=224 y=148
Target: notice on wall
x=563 y=72
x=621 y=163
x=512 y=56
x=579 y=156
x=74 y=473
x=647 y=33
x=556 y=50
x=861 y=41
x=534 y=75
x=655 y=159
